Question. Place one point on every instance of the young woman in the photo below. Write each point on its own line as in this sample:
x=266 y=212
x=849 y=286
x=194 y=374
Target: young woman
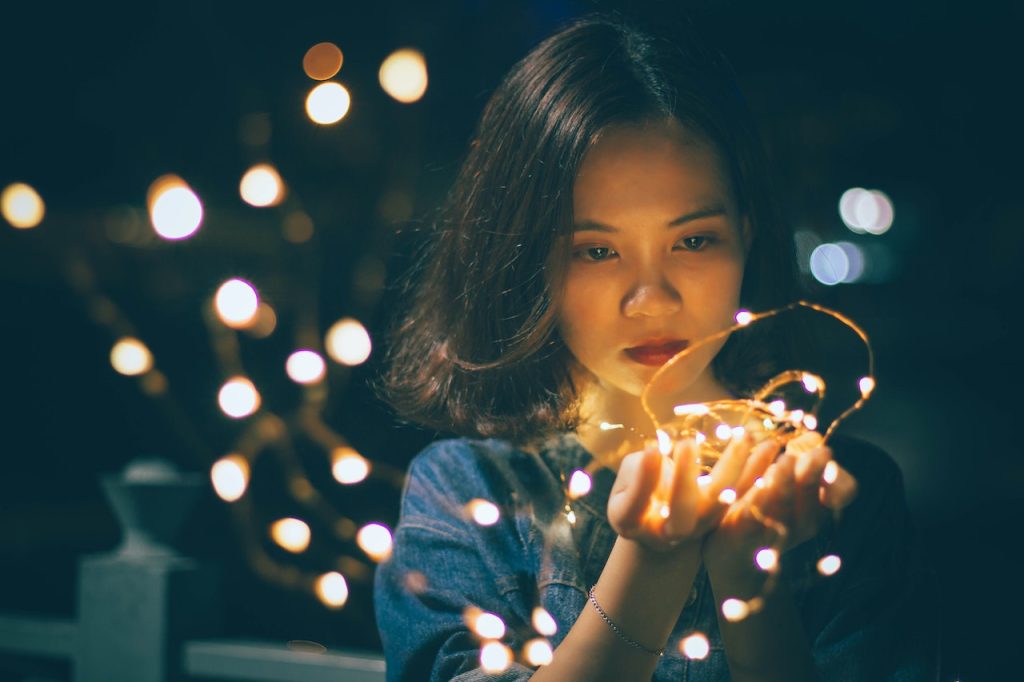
x=612 y=211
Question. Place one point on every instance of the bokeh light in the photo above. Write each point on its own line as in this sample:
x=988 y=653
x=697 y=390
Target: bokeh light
x=291 y=534
x=857 y=261
x=348 y=466
x=483 y=512
x=744 y=317
x=297 y=227
x=22 y=206
x=174 y=209
x=230 y=477
x=735 y=610
x=695 y=647
x=403 y=75
x=131 y=357
x=829 y=264
x=348 y=342
x=328 y=103
x=261 y=186
x=322 y=61
x=579 y=484
x=236 y=303
x=488 y=625
x=866 y=210
x=538 y=652
x=767 y=558
x=332 y=589
x=829 y=564
x=305 y=367
x=495 y=657
x=265 y=322
x=543 y=622
x=375 y=539
x=238 y=398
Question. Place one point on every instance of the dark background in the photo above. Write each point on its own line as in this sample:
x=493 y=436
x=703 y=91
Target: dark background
x=917 y=99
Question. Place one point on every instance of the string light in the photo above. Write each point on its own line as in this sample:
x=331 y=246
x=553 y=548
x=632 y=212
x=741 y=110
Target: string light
x=131 y=357
x=543 y=623
x=322 y=61
x=348 y=342
x=403 y=75
x=237 y=303
x=328 y=103
x=831 y=472
x=488 y=626
x=767 y=558
x=174 y=209
x=495 y=657
x=305 y=367
x=348 y=466
x=727 y=496
x=744 y=317
x=539 y=652
x=375 y=539
x=22 y=206
x=230 y=477
x=261 y=186
x=735 y=610
x=695 y=647
x=664 y=443
x=291 y=534
x=332 y=589
x=238 y=398
x=579 y=484
x=829 y=564
x=483 y=512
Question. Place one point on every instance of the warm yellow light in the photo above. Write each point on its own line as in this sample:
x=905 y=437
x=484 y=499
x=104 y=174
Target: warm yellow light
x=664 y=443
x=723 y=432
x=305 y=367
x=403 y=75
x=831 y=472
x=543 y=623
x=796 y=417
x=332 y=589
x=488 y=626
x=698 y=409
x=237 y=303
x=483 y=512
x=811 y=382
x=695 y=647
x=570 y=516
x=759 y=483
x=727 y=496
x=348 y=342
x=866 y=385
x=328 y=103
x=131 y=357
x=375 y=540
x=349 y=466
x=261 y=186
x=265 y=322
x=174 y=209
x=737 y=432
x=322 y=61
x=829 y=564
x=735 y=610
x=538 y=652
x=238 y=397
x=767 y=558
x=744 y=317
x=22 y=206
x=704 y=480
x=810 y=422
x=579 y=484
x=230 y=477
x=291 y=534
x=608 y=426
x=495 y=657
x=664 y=511
x=777 y=407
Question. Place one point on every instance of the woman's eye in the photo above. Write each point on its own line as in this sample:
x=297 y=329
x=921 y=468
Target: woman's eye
x=695 y=243
x=594 y=253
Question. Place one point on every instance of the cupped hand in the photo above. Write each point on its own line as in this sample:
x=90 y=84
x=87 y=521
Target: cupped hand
x=786 y=502
x=656 y=499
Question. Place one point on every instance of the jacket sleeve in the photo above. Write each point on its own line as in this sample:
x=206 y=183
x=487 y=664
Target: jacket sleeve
x=443 y=564
x=880 y=620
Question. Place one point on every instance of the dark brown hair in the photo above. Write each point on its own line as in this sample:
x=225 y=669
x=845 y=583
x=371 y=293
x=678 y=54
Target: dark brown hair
x=478 y=351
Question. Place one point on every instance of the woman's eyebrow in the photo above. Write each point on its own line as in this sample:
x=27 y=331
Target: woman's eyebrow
x=594 y=226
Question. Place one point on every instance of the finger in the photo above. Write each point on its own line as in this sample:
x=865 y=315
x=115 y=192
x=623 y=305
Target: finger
x=683 y=494
x=729 y=466
x=808 y=471
x=760 y=458
x=637 y=479
x=779 y=489
x=839 y=493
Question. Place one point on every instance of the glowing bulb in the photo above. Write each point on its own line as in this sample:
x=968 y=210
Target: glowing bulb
x=866 y=385
x=811 y=422
x=606 y=426
x=236 y=303
x=695 y=647
x=759 y=483
x=796 y=417
x=579 y=484
x=704 y=480
x=866 y=211
x=488 y=626
x=857 y=261
x=538 y=652
x=375 y=540
x=332 y=589
x=735 y=610
x=883 y=214
x=322 y=61
x=570 y=516
x=831 y=472
x=230 y=477
x=811 y=383
x=174 y=209
x=829 y=564
x=484 y=513
x=777 y=407
x=698 y=409
x=328 y=103
x=738 y=432
x=261 y=186
x=348 y=466
x=348 y=342
x=403 y=75
x=22 y=206
x=723 y=432
x=727 y=496
x=305 y=367
x=238 y=398
x=700 y=438
x=543 y=622
x=829 y=264
x=767 y=558
x=664 y=511
x=131 y=357
x=495 y=657
x=291 y=534
x=744 y=317
x=664 y=443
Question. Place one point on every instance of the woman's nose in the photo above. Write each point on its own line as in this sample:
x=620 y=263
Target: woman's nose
x=652 y=296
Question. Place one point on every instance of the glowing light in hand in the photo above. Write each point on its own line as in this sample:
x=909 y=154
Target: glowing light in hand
x=543 y=623
x=831 y=472
x=744 y=317
x=767 y=558
x=579 y=484
x=538 y=652
x=488 y=626
x=727 y=496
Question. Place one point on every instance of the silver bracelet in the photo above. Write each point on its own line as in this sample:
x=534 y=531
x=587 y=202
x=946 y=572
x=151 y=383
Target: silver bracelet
x=615 y=628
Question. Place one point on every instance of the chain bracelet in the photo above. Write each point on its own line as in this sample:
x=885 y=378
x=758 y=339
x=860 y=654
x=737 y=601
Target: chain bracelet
x=615 y=628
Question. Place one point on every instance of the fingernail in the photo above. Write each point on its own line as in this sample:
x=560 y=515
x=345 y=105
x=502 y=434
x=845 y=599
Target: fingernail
x=803 y=464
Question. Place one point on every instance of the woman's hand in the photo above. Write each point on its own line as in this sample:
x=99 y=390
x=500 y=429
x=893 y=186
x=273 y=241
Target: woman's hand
x=657 y=501
x=785 y=508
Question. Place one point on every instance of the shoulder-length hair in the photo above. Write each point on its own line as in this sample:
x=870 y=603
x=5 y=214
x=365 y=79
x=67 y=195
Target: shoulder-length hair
x=477 y=351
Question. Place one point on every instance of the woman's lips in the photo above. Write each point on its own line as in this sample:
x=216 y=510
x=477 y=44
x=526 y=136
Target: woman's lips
x=656 y=355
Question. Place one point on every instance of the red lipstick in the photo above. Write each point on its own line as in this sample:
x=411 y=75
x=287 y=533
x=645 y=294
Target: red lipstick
x=656 y=353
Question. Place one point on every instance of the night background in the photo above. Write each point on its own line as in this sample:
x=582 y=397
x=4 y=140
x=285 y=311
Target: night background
x=918 y=100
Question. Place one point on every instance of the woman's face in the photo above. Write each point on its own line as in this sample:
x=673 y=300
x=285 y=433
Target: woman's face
x=658 y=251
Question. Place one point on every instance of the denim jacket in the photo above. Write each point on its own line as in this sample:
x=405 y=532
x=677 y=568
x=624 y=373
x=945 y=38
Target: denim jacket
x=874 y=620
